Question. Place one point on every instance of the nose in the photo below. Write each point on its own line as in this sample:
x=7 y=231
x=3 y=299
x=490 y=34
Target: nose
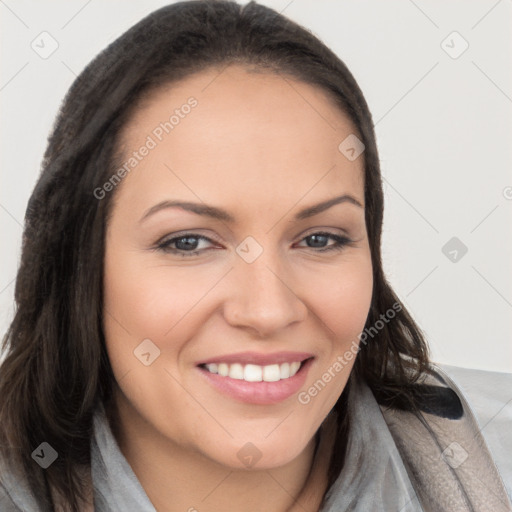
x=262 y=297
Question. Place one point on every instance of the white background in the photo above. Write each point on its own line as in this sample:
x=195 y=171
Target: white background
x=443 y=126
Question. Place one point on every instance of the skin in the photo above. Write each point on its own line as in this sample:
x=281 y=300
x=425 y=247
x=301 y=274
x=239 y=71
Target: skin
x=263 y=148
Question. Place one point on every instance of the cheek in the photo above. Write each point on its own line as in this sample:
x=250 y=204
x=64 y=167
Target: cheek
x=140 y=304
x=148 y=299
x=343 y=298
x=145 y=301
x=342 y=302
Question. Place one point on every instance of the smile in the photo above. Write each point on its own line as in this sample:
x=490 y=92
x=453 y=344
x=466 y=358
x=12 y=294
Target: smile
x=256 y=384
x=254 y=372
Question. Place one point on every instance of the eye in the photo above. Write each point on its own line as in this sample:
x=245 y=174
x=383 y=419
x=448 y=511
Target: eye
x=320 y=239
x=185 y=245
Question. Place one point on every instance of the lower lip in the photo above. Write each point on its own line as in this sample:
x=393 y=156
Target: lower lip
x=263 y=393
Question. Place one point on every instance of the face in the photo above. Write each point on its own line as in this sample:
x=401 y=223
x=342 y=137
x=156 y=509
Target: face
x=210 y=307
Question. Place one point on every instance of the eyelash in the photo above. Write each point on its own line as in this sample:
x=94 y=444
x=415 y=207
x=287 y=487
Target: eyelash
x=341 y=242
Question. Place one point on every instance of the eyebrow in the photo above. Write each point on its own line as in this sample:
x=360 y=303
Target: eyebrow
x=219 y=214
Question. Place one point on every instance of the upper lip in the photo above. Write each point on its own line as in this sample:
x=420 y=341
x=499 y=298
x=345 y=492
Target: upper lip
x=258 y=358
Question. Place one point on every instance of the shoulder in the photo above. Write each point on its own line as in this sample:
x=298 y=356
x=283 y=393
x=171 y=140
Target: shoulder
x=15 y=496
x=489 y=395
x=6 y=502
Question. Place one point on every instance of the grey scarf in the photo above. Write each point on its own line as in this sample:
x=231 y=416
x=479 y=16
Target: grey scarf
x=396 y=461
x=434 y=461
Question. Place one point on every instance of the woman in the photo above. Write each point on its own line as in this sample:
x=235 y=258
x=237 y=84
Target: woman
x=202 y=321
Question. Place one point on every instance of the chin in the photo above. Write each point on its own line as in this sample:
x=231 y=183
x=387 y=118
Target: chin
x=257 y=455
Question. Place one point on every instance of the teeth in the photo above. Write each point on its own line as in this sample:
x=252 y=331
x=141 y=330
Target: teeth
x=294 y=367
x=254 y=372
x=214 y=368
x=236 y=371
x=223 y=369
x=271 y=373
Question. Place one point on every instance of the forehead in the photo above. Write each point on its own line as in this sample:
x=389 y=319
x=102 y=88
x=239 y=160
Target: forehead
x=255 y=136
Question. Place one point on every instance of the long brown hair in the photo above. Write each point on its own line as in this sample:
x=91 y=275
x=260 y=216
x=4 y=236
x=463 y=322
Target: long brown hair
x=56 y=370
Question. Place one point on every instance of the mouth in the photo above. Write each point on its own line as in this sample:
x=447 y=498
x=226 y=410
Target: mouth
x=255 y=383
x=254 y=372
